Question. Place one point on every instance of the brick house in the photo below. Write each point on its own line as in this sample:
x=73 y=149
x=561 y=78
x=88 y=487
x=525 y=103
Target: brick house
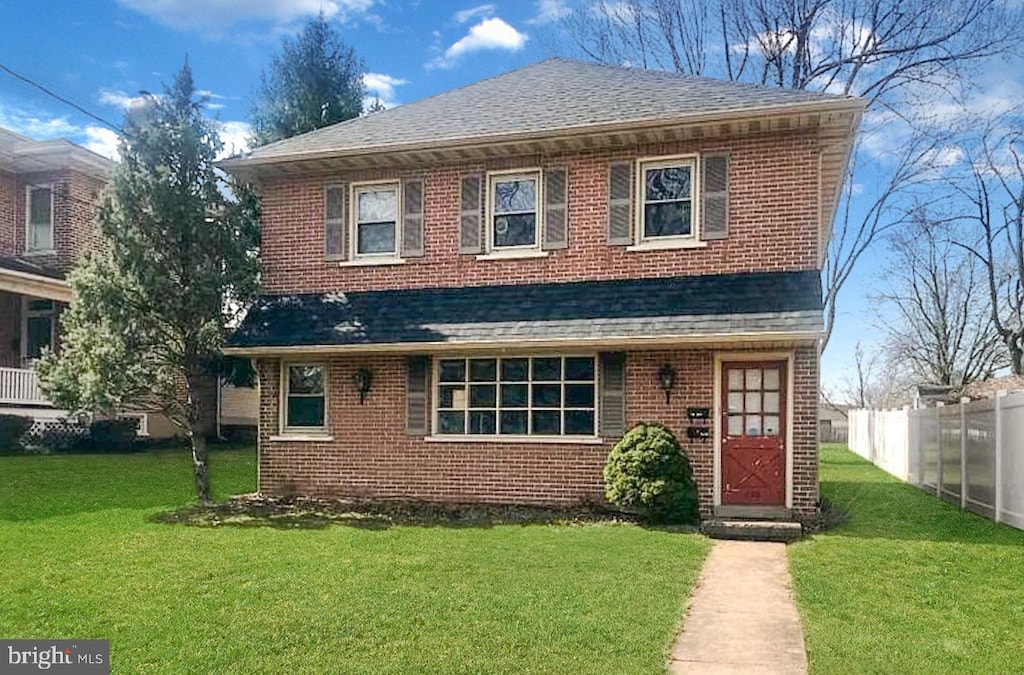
x=48 y=197
x=471 y=297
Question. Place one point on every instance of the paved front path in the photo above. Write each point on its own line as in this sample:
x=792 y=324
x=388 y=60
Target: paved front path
x=741 y=618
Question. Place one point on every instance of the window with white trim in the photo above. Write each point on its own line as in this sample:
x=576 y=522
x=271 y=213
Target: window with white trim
x=39 y=218
x=304 y=398
x=668 y=199
x=513 y=205
x=375 y=220
x=37 y=327
x=516 y=396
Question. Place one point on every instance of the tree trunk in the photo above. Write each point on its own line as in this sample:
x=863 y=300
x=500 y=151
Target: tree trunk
x=202 y=468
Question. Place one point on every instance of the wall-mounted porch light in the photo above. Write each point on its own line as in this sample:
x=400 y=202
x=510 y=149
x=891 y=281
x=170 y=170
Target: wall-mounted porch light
x=362 y=380
x=667 y=380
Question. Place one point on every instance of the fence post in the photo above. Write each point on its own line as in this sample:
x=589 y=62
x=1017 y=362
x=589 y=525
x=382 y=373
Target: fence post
x=963 y=452
x=998 y=515
x=938 y=458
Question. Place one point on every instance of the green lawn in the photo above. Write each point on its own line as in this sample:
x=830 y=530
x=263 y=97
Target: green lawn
x=79 y=558
x=909 y=584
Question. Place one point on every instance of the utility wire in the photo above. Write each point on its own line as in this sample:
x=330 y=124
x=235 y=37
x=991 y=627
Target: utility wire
x=60 y=98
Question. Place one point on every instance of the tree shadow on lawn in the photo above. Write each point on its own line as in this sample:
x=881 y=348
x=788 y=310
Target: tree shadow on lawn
x=885 y=508
x=286 y=513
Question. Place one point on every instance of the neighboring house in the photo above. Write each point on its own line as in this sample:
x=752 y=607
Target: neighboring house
x=472 y=297
x=833 y=422
x=48 y=197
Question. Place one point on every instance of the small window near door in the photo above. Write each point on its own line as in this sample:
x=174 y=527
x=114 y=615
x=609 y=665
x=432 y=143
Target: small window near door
x=754 y=401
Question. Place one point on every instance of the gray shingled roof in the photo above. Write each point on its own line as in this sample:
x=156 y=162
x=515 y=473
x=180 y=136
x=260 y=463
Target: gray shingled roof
x=548 y=97
x=30 y=266
x=713 y=305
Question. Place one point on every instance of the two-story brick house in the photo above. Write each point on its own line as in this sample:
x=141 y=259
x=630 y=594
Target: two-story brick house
x=48 y=198
x=471 y=297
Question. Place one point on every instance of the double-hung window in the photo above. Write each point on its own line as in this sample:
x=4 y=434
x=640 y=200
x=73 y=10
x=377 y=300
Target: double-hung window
x=39 y=218
x=517 y=396
x=667 y=199
x=304 y=398
x=513 y=208
x=376 y=231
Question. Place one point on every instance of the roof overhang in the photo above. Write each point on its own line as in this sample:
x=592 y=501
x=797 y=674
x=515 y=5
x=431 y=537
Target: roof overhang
x=629 y=342
x=25 y=155
x=36 y=285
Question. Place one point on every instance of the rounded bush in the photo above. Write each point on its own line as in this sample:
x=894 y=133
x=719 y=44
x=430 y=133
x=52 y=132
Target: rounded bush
x=12 y=428
x=648 y=471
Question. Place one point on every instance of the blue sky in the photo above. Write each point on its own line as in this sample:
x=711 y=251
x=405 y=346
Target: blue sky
x=102 y=53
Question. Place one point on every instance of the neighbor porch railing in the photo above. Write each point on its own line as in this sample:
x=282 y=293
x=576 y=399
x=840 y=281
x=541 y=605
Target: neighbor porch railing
x=20 y=386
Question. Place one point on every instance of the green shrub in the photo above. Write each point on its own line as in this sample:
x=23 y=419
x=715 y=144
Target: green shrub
x=12 y=428
x=116 y=435
x=648 y=471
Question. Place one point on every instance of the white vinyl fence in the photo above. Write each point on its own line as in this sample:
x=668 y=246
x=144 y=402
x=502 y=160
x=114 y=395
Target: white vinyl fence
x=970 y=454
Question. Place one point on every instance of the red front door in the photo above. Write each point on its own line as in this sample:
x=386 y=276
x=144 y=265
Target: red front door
x=753 y=433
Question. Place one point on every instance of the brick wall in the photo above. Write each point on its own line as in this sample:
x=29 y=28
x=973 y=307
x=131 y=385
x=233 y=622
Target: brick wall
x=75 y=197
x=371 y=456
x=773 y=224
x=8 y=201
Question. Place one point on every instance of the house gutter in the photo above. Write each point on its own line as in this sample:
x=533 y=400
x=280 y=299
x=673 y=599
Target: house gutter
x=631 y=343
x=853 y=105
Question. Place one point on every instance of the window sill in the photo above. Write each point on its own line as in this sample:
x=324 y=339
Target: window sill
x=371 y=262
x=672 y=245
x=308 y=438
x=41 y=251
x=554 y=440
x=513 y=255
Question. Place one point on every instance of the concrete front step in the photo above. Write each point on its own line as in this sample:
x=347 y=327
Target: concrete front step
x=752 y=530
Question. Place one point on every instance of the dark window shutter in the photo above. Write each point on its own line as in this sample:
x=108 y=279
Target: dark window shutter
x=715 y=197
x=613 y=394
x=620 y=208
x=470 y=220
x=412 y=218
x=417 y=410
x=335 y=223
x=556 y=211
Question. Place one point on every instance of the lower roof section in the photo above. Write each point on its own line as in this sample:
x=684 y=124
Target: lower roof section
x=28 y=277
x=769 y=306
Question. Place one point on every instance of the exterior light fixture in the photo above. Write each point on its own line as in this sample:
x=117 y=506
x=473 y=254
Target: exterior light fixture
x=667 y=379
x=362 y=379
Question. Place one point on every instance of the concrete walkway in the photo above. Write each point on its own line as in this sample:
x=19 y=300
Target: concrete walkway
x=741 y=618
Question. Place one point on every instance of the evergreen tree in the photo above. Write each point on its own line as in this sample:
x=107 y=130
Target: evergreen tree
x=149 y=312
x=315 y=81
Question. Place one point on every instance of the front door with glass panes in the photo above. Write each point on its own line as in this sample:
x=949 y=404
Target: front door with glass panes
x=753 y=433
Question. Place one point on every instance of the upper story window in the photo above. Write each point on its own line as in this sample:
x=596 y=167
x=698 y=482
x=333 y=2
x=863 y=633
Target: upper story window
x=513 y=205
x=376 y=220
x=39 y=218
x=668 y=199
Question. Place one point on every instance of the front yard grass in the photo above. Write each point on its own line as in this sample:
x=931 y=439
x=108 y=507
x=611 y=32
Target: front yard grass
x=80 y=558
x=910 y=583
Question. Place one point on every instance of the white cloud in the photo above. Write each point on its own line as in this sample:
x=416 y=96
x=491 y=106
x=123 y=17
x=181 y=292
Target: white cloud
x=102 y=141
x=549 y=11
x=35 y=126
x=491 y=33
x=467 y=15
x=188 y=14
x=380 y=86
x=235 y=136
x=119 y=99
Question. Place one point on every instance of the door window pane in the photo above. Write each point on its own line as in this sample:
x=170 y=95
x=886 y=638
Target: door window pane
x=771 y=425
x=735 y=425
x=771 y=378
x=771 y=401
x=735 y=380
x=753 y=378
x=752 y=425
x=752 y=404
x=736 y=402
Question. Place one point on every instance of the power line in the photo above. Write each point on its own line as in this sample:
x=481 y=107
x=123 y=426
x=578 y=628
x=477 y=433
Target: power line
x=60 y=98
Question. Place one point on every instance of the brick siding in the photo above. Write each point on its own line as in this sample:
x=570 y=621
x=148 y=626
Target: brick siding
x=371 y=456
x=773 y=223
